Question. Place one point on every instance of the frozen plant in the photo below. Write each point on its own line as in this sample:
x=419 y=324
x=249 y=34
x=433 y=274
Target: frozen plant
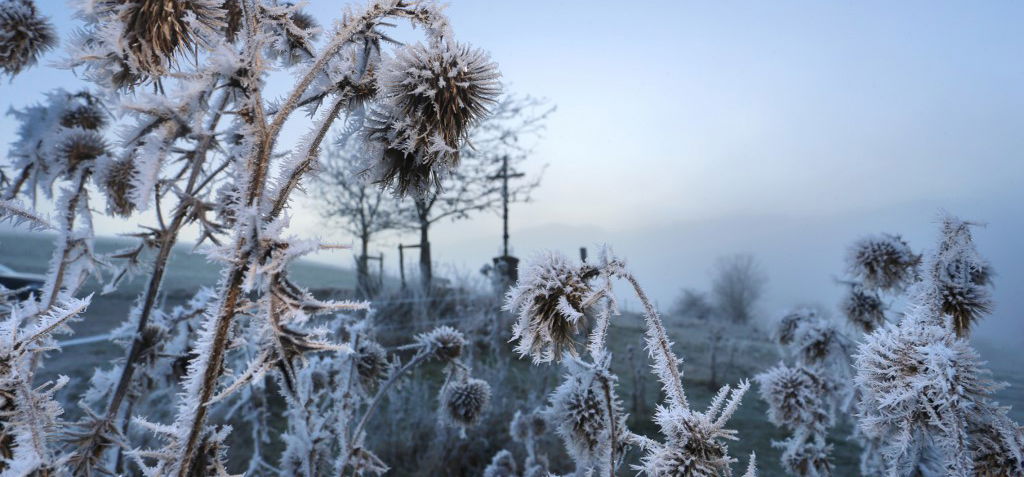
x=551 y=300
x=923 y=390
x=805 y=396
x=24 y=35
x=198 y=147
x=884 y=261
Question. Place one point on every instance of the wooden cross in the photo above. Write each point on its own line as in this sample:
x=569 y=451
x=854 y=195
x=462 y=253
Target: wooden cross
x=505 y=176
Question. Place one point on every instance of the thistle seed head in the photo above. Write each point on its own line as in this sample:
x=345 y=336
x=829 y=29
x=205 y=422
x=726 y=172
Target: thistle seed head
x=863 y=309
x=548 y=300
x=444 y=343
x=371 y=361
x=79 y=147
x=884 y=262
x=116 y=183
x=464 y=401
x=155 y=32
x=24 y=35
x=84 y=112
x=432 y=96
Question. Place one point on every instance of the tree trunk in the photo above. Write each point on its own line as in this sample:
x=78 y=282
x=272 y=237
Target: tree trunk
x=426 y=272
x=363 y=286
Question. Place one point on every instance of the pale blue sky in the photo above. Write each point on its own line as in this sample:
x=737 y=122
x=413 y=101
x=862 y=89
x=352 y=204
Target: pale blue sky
x=697 y=126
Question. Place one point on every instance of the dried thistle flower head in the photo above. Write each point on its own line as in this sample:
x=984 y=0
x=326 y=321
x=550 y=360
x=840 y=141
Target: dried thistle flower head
x=371 y=361
x=806 y=455
x=817 y=341
x=79 y=147
x=917 y=379
x=587 y=413
x=961 y=277
x=24 y=35
x=997 y=445
x=432 y=96
x=155 y=32
x=548 y=299
x=84 y=112
x=795 y=396
x=694 y=441
x=463 y=401
x=863 y=309
x=444 y=343
x=884 y=261
x=115 y=181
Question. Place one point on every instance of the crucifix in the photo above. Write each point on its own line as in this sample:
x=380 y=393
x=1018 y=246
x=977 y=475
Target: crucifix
x=505 y=176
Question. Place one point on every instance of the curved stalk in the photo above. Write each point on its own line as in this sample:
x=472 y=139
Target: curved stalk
x=666 y=363
x=384 y=388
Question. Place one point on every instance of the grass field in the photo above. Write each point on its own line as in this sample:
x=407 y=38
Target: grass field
x=751 y=351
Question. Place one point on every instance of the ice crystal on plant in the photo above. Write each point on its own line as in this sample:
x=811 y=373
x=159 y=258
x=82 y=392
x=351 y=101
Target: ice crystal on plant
x=444 y=343
x=694 y=441
x=884 y=261
x=588 y=414
x=863 y=309
x=548 y=301
x=433 y=94
x=24 y=35
x=463 y=401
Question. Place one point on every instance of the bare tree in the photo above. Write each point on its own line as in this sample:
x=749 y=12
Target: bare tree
x=510 y=131
x=358 y=206
x=693 y=304
x=737 y=285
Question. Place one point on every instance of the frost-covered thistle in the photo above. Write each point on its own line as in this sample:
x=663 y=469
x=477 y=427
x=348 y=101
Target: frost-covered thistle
x=293 y=31
x=863 y=309
x=884 y=261
x=371 y=361
x=960 y=277
x=585 y=408
x=695 y=442
x=464 y=400
x=444 y=343
x=790 y=323
x=548 y=301
x=85 y=112
x=803 y=397
x=24 y=35
x=587 y=413
x=155 y=32
x=115 y=179
x=432 y=95
x=997 y=445
x=917 y=384
x=796 y=397
x=923 y=390
x=79 y=147
x=800 y=399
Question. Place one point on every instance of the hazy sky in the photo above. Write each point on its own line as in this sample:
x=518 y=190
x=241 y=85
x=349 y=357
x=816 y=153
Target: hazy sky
x=687 y=130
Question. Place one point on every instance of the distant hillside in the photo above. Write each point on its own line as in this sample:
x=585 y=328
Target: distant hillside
x=31 y=253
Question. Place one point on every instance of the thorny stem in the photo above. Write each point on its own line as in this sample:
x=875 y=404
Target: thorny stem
x=309 y=156
x=384 y=388
x=611 y=425
x=246 y=241
x=168 y=238
x=232 y=288
x=70 y=213
x=673 y=381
